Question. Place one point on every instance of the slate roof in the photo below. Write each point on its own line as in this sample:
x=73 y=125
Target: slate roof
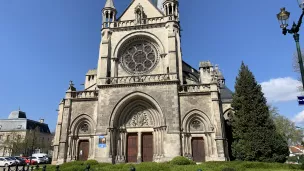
x=226 y=94
x=17 y=121
x=189 y=71
x=17 y=114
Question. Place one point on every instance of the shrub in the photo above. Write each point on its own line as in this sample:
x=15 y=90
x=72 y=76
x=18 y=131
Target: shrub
x=69 y=164
x=228 y=169
x=74 y=168
x=91 y=162
x=180 y=160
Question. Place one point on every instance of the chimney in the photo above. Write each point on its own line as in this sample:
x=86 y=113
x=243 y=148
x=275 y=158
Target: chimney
x=41 y=120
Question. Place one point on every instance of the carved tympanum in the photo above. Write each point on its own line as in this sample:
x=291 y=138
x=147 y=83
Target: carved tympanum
x=140 y=119
x=84 y=128
x=196 y=124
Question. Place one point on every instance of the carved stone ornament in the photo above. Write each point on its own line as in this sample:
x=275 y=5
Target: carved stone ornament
x=196 y=124
x=84 y=128
x=140 y=119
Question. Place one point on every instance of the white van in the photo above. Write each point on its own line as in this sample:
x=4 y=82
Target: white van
x=40 y=157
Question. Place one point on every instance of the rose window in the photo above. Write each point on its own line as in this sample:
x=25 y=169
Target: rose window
x=139 y=57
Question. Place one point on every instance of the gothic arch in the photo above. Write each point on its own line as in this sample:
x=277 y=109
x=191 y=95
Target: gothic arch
x=196 y=118
x=131 y=103
x=80 y=121
x=227 y=113
x=142 y=34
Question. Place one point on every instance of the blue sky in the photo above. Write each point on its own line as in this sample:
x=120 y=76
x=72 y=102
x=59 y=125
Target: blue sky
x=44 y=44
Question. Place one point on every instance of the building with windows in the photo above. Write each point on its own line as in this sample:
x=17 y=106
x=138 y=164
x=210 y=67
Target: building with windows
x=22 y=136
x=143 y=102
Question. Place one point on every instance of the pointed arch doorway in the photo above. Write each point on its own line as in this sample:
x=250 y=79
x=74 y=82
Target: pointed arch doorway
x=137 y=131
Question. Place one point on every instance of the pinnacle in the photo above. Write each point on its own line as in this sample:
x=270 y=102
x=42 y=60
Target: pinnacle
x=110 y=4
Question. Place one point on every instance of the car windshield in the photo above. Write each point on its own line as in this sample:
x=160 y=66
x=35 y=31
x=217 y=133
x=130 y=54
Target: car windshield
x=8 y=158
x=40 y=157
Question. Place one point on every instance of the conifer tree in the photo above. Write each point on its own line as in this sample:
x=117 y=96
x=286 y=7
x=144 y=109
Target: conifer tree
x=254 y=133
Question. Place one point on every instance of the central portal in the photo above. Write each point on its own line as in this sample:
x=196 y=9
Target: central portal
x=144 y=143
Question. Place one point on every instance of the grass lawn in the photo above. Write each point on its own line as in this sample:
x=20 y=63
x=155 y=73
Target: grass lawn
x=208 y=166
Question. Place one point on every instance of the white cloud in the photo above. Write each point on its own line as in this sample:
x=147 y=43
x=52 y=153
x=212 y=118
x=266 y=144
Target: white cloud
x=281 y=89
x=299 y=118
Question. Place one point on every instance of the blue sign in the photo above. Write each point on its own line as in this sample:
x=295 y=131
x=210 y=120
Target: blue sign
x=102 y=142
x=301 y=100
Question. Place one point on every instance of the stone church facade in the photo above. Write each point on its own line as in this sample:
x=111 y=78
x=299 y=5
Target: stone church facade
x=143 y=102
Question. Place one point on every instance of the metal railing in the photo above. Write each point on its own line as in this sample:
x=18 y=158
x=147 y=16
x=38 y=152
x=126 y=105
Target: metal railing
x=87 y=168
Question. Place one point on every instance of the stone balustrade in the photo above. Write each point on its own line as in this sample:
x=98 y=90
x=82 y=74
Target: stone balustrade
x=128 y=23
x=194 y=88
x=84 y=94
x=138 y=79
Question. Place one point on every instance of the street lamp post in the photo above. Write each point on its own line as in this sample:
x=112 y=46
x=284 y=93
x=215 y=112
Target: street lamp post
x=283 y=17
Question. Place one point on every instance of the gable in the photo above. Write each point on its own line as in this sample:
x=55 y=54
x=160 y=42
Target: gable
x=149 y=9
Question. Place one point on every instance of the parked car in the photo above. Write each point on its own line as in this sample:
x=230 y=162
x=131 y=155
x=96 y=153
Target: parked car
x=39 y=160
x=16 y=161
x=47 y=159
x=27 y=161
x=4 y=161
x=21 y=160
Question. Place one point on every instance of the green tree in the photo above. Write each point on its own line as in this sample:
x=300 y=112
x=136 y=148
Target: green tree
x=254 y=133
x=286 y=127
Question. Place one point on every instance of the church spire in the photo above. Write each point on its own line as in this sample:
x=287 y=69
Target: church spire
x=110 y=4
x=108 y=13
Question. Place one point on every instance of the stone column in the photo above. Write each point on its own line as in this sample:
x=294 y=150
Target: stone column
x=139 y=158
x=186 y=145
x=73 y=148
x=155 y=136
x=69 y=155
x=162 y=141
x=111 y=143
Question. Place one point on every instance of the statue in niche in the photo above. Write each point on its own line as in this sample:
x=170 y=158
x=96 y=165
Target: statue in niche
x=139 y=13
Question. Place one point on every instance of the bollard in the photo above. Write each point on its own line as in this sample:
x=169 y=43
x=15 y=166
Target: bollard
x=44 y=168
x=28 y=167
x=88 y=168
x=57 y=168
x=37 y=166
x=23 y=168
x=132 y=168
x=9 y=168
x=4 y=169
x=32 y=168
x=16 y=167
